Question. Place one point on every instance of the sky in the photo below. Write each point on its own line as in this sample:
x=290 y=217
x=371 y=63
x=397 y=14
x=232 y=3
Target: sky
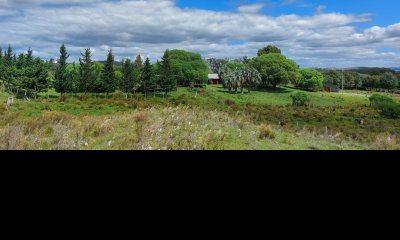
x=314 y=33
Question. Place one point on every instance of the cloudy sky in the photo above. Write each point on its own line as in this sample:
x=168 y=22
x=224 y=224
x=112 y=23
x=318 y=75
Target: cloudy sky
x=315 y=33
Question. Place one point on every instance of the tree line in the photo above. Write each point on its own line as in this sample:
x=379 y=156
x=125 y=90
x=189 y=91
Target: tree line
x=276 y=69
x=30 y=76
x=26 y=75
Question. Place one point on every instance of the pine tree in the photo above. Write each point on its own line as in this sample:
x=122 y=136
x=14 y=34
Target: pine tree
x=108 y=74
x=86 y=71
x=62 y=84
x=137 y=72
x=168 y=81
x=128 y=80
x=9 y=67
x=146 y=76
x=1 y=66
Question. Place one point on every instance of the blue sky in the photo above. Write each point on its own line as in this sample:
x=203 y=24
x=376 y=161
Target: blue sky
x=315 y=33
x=385 y=11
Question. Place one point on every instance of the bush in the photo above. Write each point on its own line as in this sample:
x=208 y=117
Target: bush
x=300 y=99
x=390 y=109
x=377 y=99
x=266 y=131
x=387 y=106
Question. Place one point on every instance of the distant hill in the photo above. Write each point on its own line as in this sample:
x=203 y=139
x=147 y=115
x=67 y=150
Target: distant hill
x=372 y=71
x=369 y=70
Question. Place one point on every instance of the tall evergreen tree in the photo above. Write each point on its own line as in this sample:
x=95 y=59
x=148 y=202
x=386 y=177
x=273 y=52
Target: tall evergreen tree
x=86 y=71
x=137 y=71
x=9 y=68
x=146 y=76
x=168 y=81
x=108 y=74
x=128 y=80
x=1 y=65
x=62 y=83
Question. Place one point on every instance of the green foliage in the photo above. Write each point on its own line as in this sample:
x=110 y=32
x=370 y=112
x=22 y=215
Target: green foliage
x=310 y=79
x=388 y=81
x=187 y=67
x=372 y=81
x=269 y=49
x=108 y=78
x=235 y=75
x=62 y=83
x=137 y=72
x=387 y=106
x=377 y=99
x=73 y=77
x=147 y=78
x=276 y=69
x=168 y=80
x=87 y=78
x=300 y=99
x=215 y=64
x=128 y=80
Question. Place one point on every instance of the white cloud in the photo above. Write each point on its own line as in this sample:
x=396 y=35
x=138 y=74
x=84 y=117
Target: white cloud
x=253 y=8
x=148 y=27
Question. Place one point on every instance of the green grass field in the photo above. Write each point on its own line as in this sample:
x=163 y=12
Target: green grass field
x=209 y=118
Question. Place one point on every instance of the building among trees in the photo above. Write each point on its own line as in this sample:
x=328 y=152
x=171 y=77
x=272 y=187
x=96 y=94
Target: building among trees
x=214 y=79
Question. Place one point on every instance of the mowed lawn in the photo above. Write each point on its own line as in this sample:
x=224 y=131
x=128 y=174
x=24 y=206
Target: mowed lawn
x=279 y=96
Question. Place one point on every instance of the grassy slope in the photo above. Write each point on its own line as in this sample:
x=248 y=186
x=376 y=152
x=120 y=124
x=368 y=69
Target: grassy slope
x=117 y=123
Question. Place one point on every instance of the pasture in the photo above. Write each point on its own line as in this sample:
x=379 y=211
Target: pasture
x=209 y=118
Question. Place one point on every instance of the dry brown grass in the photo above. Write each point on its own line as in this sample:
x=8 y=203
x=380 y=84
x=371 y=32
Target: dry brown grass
x=387 y=141
x=266 y=131
x=153 y=128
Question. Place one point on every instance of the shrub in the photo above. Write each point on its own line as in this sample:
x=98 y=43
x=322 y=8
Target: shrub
x=390 y=109
x=387 y=106
x=300 y=99
x=266 y=131
x=377 y=99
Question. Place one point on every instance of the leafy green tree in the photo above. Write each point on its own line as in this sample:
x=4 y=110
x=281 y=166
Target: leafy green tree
x=62 y=83
x=372 y=82
x=86 y=72
x=73 y=78
x=310 y=79
x=188 y=67
x=276 y=69
x=128 y=78
x=388 y=81
x=108 y=74
x=215 y=64
x=268 y=49
x=148 y=84
x=333 y=77
x=99 y=85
